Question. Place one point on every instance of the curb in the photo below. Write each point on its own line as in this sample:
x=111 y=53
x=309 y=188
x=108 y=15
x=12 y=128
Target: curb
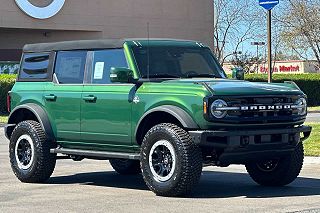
x=311 y=112
x=312 y=160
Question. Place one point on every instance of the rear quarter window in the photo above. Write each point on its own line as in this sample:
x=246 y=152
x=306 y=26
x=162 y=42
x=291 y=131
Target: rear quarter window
x=34 y=66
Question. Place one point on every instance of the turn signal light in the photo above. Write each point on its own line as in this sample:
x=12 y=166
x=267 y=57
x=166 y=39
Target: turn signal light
x=205 y=107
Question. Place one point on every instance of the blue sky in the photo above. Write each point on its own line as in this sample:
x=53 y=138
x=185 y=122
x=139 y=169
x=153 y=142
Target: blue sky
x=261 y=31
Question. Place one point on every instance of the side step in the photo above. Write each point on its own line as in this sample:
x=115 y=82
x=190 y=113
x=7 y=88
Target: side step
x=90 y=153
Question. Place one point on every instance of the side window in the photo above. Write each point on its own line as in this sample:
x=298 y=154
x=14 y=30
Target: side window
x=70 y=66
x=34 y=66
x=103 y=60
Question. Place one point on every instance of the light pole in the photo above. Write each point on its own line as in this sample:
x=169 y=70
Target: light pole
x=256 y=43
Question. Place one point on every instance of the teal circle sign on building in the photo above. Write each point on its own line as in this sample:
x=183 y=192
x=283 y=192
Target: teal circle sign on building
x=40 y=12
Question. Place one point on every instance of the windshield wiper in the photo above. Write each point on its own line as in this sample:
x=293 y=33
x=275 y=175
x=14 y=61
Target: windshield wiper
x=193 y=75
x=163 y=75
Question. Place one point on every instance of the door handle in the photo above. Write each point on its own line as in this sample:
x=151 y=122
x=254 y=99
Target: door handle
x=50 y=97
x=90 y=98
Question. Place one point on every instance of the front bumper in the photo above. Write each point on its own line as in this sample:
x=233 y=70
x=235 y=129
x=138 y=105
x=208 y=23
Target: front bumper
x=238 y=147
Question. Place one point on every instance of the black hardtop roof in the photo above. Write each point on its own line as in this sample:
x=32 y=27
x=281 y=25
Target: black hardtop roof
x=74 y=45
x=87 y=44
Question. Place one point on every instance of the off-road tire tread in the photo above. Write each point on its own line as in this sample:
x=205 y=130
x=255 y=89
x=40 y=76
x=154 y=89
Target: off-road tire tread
x=45 y=161
x=131 y=167
x=287 y=172
x=191 y=163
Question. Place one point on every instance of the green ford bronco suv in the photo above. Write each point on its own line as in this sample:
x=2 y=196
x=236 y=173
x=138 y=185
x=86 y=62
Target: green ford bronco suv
x=163 y=108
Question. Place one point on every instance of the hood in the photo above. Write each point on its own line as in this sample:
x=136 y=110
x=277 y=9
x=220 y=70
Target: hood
x=236 y=87
x=252 y=88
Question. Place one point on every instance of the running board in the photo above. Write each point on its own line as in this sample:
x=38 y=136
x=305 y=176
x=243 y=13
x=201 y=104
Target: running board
x=90 y=153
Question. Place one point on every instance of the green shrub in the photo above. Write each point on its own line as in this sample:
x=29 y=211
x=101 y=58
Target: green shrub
x=308 y=83
x=6 y=83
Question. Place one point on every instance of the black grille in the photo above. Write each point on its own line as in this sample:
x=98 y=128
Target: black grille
x=260 y=117
x=261 y=100
x=268 y=101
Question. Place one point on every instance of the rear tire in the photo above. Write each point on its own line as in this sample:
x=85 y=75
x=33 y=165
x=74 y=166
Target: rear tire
x=29 y=152
x=126 y=167
x=278 y=172
x=171 y=162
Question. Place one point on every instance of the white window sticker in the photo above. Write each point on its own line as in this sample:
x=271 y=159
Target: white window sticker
x=98 y=70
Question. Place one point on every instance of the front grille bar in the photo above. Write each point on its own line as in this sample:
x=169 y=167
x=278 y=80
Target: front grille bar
x=259 y=108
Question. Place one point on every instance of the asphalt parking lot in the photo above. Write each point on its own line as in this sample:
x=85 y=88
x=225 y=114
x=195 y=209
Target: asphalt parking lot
x=92 y=186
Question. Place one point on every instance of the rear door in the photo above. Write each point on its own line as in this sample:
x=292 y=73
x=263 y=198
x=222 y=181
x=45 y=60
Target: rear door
x=105 y=106
x=63 y=96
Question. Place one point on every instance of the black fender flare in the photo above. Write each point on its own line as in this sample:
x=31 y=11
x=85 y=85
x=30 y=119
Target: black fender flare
x=181 y=115
x=40 y=114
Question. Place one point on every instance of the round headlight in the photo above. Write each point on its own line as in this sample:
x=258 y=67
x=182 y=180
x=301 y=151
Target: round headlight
x=301 y=104
x=215 y=108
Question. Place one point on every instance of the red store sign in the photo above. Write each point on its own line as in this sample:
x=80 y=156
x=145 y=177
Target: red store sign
x=284 y=69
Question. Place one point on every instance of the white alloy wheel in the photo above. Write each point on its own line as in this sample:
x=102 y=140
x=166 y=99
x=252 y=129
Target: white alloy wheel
x=162 y=160
x=24 y=152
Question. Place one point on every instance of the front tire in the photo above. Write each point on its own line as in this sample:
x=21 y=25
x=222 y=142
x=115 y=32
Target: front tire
x=125 y=167
x=278 y=172
x=171 y=162
x=29 y=152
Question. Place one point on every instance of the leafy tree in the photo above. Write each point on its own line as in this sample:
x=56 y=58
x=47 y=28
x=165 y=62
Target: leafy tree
x=236 y=22
x=247 y=62
x=300 y=21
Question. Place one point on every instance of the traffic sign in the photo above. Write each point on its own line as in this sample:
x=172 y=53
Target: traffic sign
x=258 y=43
x=268 y=4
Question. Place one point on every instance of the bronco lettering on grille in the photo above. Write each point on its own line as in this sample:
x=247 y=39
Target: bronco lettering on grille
x=264 y=108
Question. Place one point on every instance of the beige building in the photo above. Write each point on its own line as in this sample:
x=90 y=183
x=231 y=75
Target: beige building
x=95 y=19
x=282 y=67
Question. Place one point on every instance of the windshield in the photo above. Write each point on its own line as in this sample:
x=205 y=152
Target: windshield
x=177 y=62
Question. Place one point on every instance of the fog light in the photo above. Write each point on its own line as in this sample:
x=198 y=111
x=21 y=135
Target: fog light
x=244 y=141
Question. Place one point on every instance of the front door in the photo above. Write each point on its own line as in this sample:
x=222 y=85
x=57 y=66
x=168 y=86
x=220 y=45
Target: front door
x=63 y=96
x=105 y=106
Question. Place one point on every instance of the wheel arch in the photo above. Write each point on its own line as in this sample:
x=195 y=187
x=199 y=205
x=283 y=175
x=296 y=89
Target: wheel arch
x=29 y=111
x=163 y=114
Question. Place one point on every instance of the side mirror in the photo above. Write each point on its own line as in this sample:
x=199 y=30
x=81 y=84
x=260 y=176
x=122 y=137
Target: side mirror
x=238 y=73
x=121 y=75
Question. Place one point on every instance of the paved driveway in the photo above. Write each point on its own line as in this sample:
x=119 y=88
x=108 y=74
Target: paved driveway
x=92 y=186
